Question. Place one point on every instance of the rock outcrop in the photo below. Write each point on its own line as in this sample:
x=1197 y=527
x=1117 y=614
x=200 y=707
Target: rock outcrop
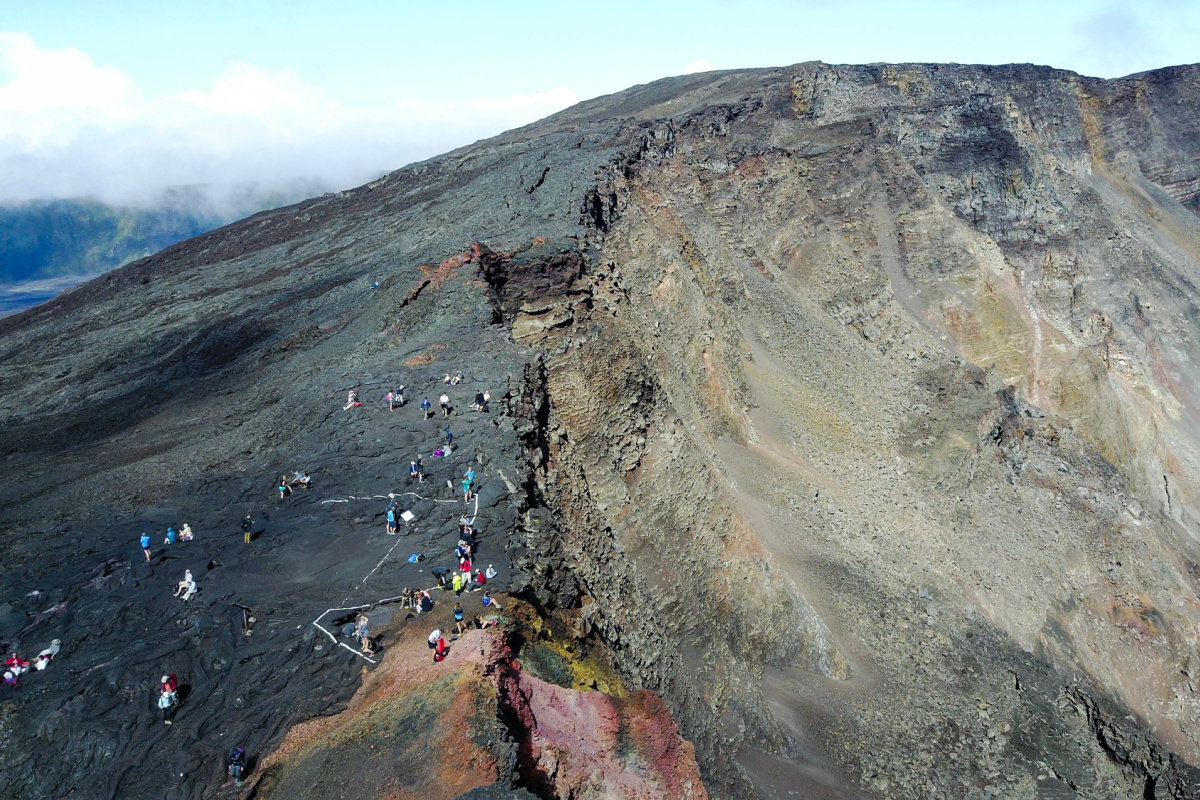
x=850 y=411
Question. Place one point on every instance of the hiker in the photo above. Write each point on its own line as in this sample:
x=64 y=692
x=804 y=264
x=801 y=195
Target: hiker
x=168 y=683
x=16 y=664
x=391 y=521
x=479 y=580
x=467 y=481
x=440 y=575
x=46 y=656
x=433 y=637
x=145 y=542
x=449 y=439
x=247 y=527
x=427 y=407
x=406 y=597
x=468 y=536
x=301 y=479
x=458 y=377
x=488 y=621
x=424 y=601
x=167 y=703
x=463 y=524
x=460 y=550
x=490 y=572
x=446 y=379
x=364 y=633
x=284 y=489
x=478 y=404
x=171 y=536
x=460 y=627
x=400 y=396
x=390 y=399
x=185 y=534
x=186 y=587
x=490 y=602
x=235 y=763
x=444 y=402
x=414 y=472
x=351 y=401
x=439 y=653
x=487 y=398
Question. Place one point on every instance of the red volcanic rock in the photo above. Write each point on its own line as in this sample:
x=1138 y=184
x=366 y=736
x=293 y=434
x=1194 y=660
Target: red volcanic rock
x=590 y=745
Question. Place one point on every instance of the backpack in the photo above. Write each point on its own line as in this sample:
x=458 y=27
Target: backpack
x=237 y=756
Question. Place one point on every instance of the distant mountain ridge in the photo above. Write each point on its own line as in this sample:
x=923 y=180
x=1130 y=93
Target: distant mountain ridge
x=43 y=239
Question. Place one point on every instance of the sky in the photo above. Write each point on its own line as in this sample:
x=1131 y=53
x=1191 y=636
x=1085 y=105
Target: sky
x=118 y=100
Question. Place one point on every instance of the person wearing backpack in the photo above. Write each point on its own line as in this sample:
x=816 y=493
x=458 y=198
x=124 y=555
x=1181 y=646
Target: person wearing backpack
x=235 y=762
x=168 y=701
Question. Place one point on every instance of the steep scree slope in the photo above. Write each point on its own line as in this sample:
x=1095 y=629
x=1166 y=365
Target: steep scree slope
x=853 y=409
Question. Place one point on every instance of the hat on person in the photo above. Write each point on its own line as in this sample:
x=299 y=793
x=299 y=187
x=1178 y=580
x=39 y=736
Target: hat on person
x=165 y=678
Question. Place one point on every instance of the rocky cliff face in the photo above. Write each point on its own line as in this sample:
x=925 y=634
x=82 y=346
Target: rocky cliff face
x=851 y=410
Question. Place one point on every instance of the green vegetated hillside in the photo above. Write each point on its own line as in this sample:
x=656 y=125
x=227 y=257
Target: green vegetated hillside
x=54 y=238
x=77 y=237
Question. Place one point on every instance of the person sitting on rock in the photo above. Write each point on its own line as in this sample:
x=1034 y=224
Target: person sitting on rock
x=46 y=656
x=446 y=379
x=444 y=402
x=186 y=534
x=458 y=378
x=10 y=677
x=424 y=601
x=301 y=480
x=490 y=602
x=407 y=597
x=479 y=580
x=478 y=404
x=171 y=536
x=351 y=401
x=186 y=587
x=490 y=572
x=16 y=664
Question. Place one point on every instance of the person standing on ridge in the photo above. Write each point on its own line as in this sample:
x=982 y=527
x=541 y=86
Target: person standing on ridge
x=247 y=527
x=414 y=472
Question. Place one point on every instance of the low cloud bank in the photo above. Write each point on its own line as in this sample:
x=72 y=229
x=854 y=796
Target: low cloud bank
x=70 y=128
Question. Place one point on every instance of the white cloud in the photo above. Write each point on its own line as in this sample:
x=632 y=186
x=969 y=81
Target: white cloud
x=702 y=65
x=69 y=128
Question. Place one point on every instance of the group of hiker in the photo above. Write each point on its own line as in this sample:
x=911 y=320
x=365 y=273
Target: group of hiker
x=184 y=534
x=15 y=666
